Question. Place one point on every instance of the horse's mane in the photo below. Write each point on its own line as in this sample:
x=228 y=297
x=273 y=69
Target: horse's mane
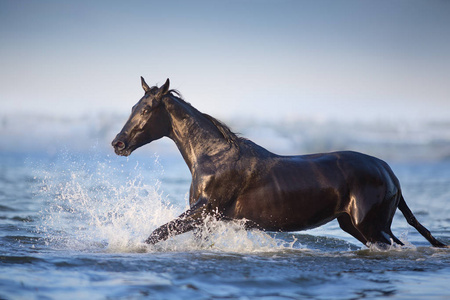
x=226 y=132
x=231 y=137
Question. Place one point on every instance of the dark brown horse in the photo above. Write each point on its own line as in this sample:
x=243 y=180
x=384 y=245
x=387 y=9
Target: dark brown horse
x=233 y=178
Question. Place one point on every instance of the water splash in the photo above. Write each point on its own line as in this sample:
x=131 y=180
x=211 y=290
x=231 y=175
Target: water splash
x=377 y=247
x=230 y=237
x=93 y=203
x=100 y=204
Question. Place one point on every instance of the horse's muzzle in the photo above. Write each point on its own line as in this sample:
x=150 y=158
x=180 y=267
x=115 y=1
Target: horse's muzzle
x=119 y=147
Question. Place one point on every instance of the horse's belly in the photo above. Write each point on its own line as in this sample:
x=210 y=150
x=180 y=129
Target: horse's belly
x=288 y=210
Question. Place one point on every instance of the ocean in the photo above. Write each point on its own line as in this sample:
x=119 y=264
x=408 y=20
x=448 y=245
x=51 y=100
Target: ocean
x=73 y=217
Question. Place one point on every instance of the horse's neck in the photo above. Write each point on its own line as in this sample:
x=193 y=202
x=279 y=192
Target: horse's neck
x=195 y=136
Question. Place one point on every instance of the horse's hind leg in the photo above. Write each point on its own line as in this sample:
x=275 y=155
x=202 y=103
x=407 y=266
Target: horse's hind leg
x=393 y=237
x=411 y=219
x=345 y=222
x=377 y=230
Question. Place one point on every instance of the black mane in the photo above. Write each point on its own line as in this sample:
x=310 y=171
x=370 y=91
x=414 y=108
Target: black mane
x=231 y=137
x=226 y=132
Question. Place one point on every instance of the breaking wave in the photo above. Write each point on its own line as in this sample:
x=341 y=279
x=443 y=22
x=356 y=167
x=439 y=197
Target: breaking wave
x=390 y=140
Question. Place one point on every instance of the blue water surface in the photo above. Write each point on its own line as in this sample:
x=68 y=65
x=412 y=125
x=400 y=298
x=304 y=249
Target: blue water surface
x=73 y=222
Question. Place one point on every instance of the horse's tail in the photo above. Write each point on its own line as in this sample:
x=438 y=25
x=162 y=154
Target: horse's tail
x=411 y=219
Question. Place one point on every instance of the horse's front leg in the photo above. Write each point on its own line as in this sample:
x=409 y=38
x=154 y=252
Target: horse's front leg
x=187 y=221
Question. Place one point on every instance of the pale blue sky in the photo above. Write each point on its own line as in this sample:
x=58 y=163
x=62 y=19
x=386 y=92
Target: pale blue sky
x=265 y=59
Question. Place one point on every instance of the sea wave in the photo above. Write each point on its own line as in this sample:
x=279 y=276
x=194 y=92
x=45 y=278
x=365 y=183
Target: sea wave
x=390 y=140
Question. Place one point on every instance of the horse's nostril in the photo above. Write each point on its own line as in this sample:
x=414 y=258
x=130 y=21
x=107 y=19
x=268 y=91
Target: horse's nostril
x=119 y=145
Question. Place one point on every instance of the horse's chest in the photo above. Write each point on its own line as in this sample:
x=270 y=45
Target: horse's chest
x=221 y=187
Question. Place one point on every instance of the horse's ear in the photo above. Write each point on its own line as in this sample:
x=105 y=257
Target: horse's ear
x=164 y=89
x=144 y=85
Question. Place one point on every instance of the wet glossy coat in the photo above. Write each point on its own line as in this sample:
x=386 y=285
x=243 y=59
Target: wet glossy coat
x=233 y=178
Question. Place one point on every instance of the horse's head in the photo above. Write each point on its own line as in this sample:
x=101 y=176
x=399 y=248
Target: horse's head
x=148 y=121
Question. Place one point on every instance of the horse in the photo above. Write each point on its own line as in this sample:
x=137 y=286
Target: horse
x=233 y=178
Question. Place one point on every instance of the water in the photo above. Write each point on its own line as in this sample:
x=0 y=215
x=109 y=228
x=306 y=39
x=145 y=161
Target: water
x=73 y=217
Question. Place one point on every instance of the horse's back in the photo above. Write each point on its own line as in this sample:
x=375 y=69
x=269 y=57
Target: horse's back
x=351 y=165
x=366 y=177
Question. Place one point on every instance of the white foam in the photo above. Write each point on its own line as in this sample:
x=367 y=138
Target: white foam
x=87 y=207
x=229 y=237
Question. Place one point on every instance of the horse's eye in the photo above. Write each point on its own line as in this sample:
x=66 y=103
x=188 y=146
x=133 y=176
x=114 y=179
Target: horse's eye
x=145 y=111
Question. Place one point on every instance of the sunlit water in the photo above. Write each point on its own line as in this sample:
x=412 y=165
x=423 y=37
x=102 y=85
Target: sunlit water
x=72 y=226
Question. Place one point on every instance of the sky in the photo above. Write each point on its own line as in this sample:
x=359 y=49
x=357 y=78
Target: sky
x=265 y=59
